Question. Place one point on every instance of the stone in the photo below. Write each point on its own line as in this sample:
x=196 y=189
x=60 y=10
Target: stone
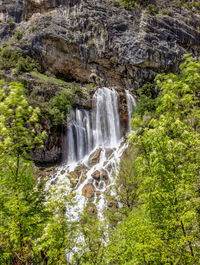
x=83 y=177
x=94 y=157
x=109 y=152
x=98 y=192
x=91 y=209
x=88 y=191
x=73 y=177
x=111 y=203
x=96 y=175
x=104 y=174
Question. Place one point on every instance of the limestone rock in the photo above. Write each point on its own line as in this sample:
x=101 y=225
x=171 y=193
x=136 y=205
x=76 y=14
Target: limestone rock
x=92 y=209
x=94 y=157
x=88 y=191
x=104 y=175
x=96 y=175
x=98 y=192
x=111 y=203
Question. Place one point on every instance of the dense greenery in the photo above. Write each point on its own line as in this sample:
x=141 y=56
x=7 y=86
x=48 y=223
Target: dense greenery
x=14 y=60
x=157 y=187
x=164 y=227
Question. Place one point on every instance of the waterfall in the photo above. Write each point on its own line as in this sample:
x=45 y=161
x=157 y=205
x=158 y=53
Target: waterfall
x=93 y=148
x=92 y=129
x=131 y=103
x=106 y=118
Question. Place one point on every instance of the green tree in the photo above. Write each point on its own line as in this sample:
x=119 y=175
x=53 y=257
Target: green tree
x=164 y=229
x=21 y=198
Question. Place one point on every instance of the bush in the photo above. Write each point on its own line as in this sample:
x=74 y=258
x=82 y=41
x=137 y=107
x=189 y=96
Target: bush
x=15 y=60
x=60 y=106
x=147 y=102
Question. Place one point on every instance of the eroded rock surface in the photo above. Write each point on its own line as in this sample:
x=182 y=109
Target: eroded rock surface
x=96 y=41
x=88 y=191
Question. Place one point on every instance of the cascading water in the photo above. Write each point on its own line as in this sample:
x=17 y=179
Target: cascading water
x=93 y=145
x=88 y=130
x=131 y=103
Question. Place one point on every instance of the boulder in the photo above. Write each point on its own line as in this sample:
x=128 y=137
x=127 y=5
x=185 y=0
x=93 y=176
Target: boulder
x=88 y=191
x=96 y=175
x=111 y=203
x=104 y=174
x=108 y=152
x=94 y=157
x=91 y=210
x=73 y=177
x=98 y=192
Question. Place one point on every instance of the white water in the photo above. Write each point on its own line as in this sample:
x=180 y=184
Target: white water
x=131 y=103
x=90 y=132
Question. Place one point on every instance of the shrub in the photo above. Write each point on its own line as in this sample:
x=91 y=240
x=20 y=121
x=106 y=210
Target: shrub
x=60 y=106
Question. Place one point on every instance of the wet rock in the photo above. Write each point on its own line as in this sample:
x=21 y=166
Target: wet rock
x=96 y=175
x=91 y=210
x=88 y=191
x=90 y=181
x=98 y=192
x=83 y=177
x=108 y=166
x=101 y=185
x=109 y=152
x=104 y=174
x=73 y=174
x=123 y=118
x=62 y=172
x=111 y=203
x=73 y=177
x=94 y=157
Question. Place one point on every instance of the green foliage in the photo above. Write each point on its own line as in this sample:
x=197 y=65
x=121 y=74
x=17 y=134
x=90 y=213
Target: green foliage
x=15 y=60
x=147 y=99
x=18 y=34
x=60 y=106
x=22 y=211
x=152 y=9
x=18 y=127
x=163 y=226
x=58 y=238
x=129 y=4
x=90 y=247
x=21 y=199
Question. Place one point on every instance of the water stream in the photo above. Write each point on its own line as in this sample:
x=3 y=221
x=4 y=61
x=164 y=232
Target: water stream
x=93 y=145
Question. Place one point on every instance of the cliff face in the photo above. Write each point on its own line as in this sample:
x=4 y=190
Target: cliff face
x=99 y=41
x=96 y=41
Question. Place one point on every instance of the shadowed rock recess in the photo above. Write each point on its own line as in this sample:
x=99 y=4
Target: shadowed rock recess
x=101 y=42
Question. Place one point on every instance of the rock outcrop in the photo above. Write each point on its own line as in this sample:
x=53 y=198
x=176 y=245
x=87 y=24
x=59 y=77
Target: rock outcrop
x=88 y=191
x=97 y=41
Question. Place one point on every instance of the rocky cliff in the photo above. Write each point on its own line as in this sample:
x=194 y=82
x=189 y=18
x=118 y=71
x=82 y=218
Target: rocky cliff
x=99 y=41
